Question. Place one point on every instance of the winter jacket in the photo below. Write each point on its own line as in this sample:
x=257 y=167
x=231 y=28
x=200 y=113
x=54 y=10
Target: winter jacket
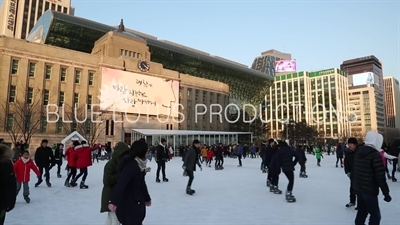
x=218 y=152
x=162 y=153
x=210 y=154
x=84 y=156
x=339 y=151
x=110 y=175
x=269 y=154
x=22 y=169
x=239 y=150
x=301 y=156
x=286 y=158
x=44 y=157
x=263 y=149
x=8 y=184
x=191 y=159
x=58 y=154
x=368 y=171
x=130 y=193
x=395 y=148
x=318 y=153
x=71 y=157
x=349 y=161
x=204 y=152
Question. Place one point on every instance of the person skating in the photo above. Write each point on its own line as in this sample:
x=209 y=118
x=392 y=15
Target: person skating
x=161 y=159
x=58 y=158
x=71 y=156
x=8 y=184
x=302 y=161
x=394 y=150
x=22 y=169
x=274 y=169
x=239 y=153
x=385 y=158
x=339 y=155
x=348 y=167
x=269 y=154
x=210 y=155
x=189 y=165
x=218 y=157
x=318 y=155
x=263 y=149
x=110 y=178
x=286 y=161
x=83 y=161
x=44 y=159
x=368 y=178
x=130 y=195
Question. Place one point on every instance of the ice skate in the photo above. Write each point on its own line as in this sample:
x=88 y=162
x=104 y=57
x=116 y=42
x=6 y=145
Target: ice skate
x=73 y=184
x=83 y=186
x=290 y=197
x=165 y=179
x=277 y=191
x=264 y=171
x=184 y=173
x=48 y=183
x=66 y=184
x=303 y=175
x=189 y=191
x=38 y=183
x=158 y=180
x=336 y=166
x=394 y=179
x=350 y=204
x=59 y=175
x=27 y=199
x=268 y=183
x=388 y=176
x=239 y=165
x=341 y=165
x=271 y=188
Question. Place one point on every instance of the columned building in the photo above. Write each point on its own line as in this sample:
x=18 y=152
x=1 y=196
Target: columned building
x=319 y=98
x=365 y=78
x=17 y=17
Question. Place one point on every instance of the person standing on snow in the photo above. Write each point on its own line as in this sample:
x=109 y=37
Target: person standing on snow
x=368 y=178
x=44 y=159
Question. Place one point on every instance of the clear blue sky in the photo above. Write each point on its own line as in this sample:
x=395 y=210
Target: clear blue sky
x=319 y=34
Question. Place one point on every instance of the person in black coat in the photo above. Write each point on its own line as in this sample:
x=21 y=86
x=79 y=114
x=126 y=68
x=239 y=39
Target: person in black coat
x=394 y=150
x=218 y=157
x=269 y=154
x=301 y=156
x=161 y=158
x=130 y=195
x=263 y=149
x=348 y=167
x=339 y=154
x=286 y=161
x=8 y=183
x=58 y=158
x=189 y=165
x=368 y=176
x=44 y=159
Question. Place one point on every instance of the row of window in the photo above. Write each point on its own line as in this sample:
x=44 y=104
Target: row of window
x=130 y=54
x=48 y=72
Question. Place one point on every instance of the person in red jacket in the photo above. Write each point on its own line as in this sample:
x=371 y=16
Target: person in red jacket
x=210 y=155
x=71 y=159
x=22 y=170
x=84 y=160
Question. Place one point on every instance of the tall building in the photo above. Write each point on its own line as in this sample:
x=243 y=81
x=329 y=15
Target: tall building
x=318 y=98
x=17 y=17
x=365 y=79
x=266 y=62
x=392 y=107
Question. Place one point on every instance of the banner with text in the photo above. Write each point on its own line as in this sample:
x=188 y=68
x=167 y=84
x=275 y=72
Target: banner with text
x=137 y=93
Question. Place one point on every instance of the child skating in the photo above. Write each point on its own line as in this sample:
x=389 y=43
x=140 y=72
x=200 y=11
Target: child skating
x=22 y=169
x=318 y=155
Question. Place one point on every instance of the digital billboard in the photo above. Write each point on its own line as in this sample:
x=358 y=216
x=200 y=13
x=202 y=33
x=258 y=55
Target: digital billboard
x=363 y=79
x=129 y=92
x=285 y=65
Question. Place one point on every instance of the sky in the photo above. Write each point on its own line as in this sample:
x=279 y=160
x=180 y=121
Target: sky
x=319 y=34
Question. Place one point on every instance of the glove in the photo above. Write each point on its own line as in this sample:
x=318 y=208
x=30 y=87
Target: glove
x=148 y=169
x=184 y=167
x=387 y=198
x=348 y=174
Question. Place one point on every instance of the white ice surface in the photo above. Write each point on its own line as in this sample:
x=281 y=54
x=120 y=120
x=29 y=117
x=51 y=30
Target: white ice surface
x=231 y=196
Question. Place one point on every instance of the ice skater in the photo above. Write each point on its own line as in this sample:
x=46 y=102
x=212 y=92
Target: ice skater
x=44 y=159
x=22 y=169
x=286 y=161
x=189 y=165
x=302 y=161
x=318 y=155
x=348 y=167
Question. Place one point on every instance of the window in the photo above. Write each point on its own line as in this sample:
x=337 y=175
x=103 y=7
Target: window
x=77 y=76
x=59 y=8
x=89 y=101
x=59 y=126
x=46 y=95
x=10 y=122
x=61 y=98
x=46 y=6
x=48 y=72
x=76 y=98
x=29 y=96
x=53 y=6
x=63 y=73
x=32 y=69
x=65 y=10
x=43 y=127
x=91 y=76
x=13 y=89
x=14 y=66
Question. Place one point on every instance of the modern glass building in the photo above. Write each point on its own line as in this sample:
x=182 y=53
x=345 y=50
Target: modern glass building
x=75 y=33
x=266 y=62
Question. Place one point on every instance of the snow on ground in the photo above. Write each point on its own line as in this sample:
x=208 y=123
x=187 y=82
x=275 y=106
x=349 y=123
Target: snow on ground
x=231 y=196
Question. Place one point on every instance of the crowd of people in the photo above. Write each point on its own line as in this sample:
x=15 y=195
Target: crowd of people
x=365 y=164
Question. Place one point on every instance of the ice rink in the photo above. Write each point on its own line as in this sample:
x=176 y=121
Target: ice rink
x=235 y=195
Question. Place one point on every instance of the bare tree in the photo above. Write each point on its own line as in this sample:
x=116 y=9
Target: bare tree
x=23 y=119
x=79 y=118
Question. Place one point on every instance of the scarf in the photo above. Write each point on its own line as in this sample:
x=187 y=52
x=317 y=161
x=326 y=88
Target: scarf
x=25 y=160
x=142 y=163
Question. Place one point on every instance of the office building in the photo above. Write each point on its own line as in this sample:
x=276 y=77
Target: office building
x=392 y=107
x=266 y=62
x=318 y=98
x=365 y=79
x=17 y=17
